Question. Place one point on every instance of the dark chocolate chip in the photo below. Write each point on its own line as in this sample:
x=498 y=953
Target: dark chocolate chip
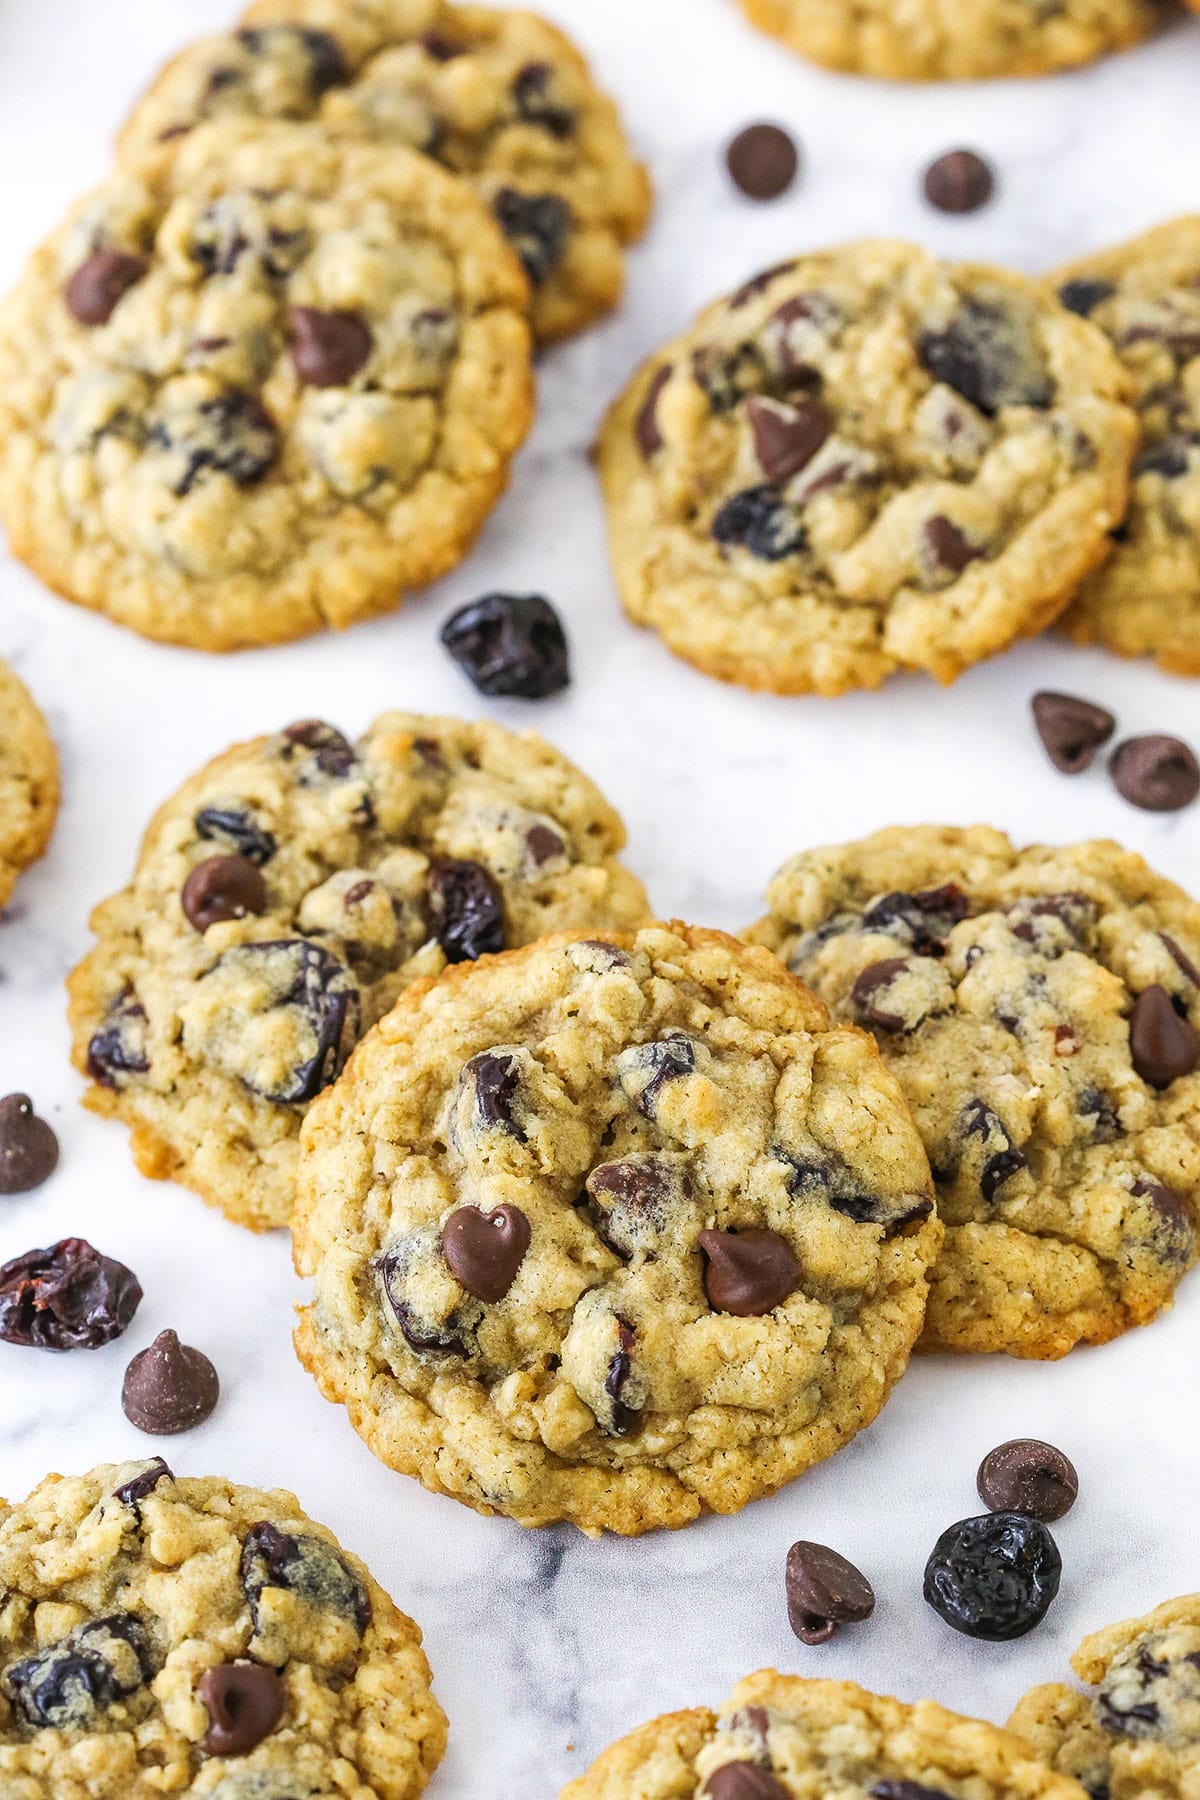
x=925 y=919
x=66 y=1297
x=959 y=182
x=143 y=1484
x=1174 y=1229
x=484 y=1250
x=1164 y=1046
x=1159 y=774
x=543 y=844
x=466 y=908
x=823 y=1592
x=303 y=1564
x=1181 y=959
x=743 y=1781
x=169 y=1388
x=220 y=888
x=510 y=646
x=119 y=1046
x=624 y=1417
x=496 y=1080
x=100 y=283
x=1002 y=1159
x=646 y=430
x=988 y=355
x=537 y=226
x=1071 y=729
x=245 y=1703
x=328 y=348
x=786 y=438
x=239 y=830
x=332 y=753
x=667 y=1058
x=69 y=1683
x=28 y=1147
x=948 y=546
x=1027 y=1476
x=869 y=994
x=759 y=520
x=532 y=92
x=1083 y=296
x=762 y=161
x=748 y=1273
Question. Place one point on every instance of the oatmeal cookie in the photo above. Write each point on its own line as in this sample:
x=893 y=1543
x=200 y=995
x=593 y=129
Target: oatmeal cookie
x=28 y=780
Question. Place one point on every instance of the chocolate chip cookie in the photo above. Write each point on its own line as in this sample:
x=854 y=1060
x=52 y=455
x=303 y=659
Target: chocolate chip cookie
x=779 y=1737
x=270 y=400
x=283 y=898
x=501 y=98
x=1137 y=1730
x=864 y=461
x=167 y=1635
x=1145 y=296
x=936 y=40
x=28 y=780
x=1041 y=1010
x=613 y=1229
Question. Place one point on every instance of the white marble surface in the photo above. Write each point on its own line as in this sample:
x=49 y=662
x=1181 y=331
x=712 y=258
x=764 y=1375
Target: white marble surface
x=546 y=1646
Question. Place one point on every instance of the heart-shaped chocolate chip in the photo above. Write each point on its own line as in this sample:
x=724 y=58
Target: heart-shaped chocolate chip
x=485 y=1250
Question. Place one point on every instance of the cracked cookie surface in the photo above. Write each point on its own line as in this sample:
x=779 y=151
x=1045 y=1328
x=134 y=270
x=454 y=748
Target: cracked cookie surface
x=1040 y=1008
x=614 y=1230
x=28 y=780
x=501 y=98
x=1135 y=1731
x=863 y=461
x=1145 y=295
x=802 y=1738
x=938 y=40
x=283 y=898
x=148 y=1617
x=271 y=400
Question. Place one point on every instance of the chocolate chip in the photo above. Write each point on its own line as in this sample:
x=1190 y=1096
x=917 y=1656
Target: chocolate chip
x=239 y=830
x=1027 y=1476
x=467 y=909
x=623 y=1418
x=950 y=548
x=871 y=986
x=510 y=646
x=924 y=920
x=232 y=434
x=496 y=1081
x=760 y=521
x=484 y=1250
x=959 y=182
x=989 y=356
x=646 y=430
x=748 y=1273
x=303 y=1564
x=169 y=1388
x=67 y=1685
x=296 y=977
x=1071 y=729
x=98 y=285
x=537 y=226
x=328 y=348
x=532 y=92
x=1164 y=1046
x=220 y=888
x=786 y=438
x=743 y=1781
x=143 y=1484
x=823 y=1592
x=66 y=1297
x=245 y=1703
x=1181 y=959
x=332 y=753
x=543 y=844
x=666 y=1059
x=1174 y=1225
x=1159 y=774
x=1002 y=1159
x=1083 y=296
x=441 y=48
x=28 y=1147
x=762 y=161
x=119 y=1046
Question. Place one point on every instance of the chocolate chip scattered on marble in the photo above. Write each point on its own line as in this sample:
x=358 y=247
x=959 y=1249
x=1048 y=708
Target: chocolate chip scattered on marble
x=824 y=1591
x=1157 y=773
x=169 y=1388
x=959 y=182
x=763 y=161
x=28 y=1147
x=1071 y=729
x=1028 y=1476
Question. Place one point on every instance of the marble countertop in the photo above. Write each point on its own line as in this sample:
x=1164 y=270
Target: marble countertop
x=546 y=1646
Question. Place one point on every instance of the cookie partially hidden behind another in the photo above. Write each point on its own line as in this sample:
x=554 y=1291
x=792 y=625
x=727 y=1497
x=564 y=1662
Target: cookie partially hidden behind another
x=1136 y=1730
x=934 y=40
x=271 y=398
x=284 y=897
x=168 y=1635
x=863 y=461
x=779 y=1737
x=614 y=1229
x=1041 y=1009
x=28 y=780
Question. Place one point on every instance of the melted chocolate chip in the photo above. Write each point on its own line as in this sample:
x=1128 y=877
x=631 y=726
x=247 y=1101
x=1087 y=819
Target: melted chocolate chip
x=646 y=429
x=948 y=547
x=1164 y=1045
x=1002 y=1159
x=143 y=1484
x=220 y=888
x=748 y=1273
x=305 y=1565
x=332 y=754
x=119 y=1047
x=1071 y=729
x=743 y=1781
x=869 y=994
x=328 y=348
x=786 y=438
x=760 y=521
x=1159 y=774
x=99 y=284
x=245 y=1703
x=537 y=226
x=67 y=1297
x=28 y=1147
x=624 y=1418
x=1083 y=296
x=497 y=1081
x=238 y=830
x=466 y=909
x=169 y=1388
x=925 y=919
x=484 y=1250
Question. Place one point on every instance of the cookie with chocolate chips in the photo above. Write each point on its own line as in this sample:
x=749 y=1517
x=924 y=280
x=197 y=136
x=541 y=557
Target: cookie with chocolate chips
x=864 y=461
x=284 y=897
x=779 y=1737
x=614 y=1229
x=500 y=98
x=28 y=780
x=1041 y=1009
x=270 y=397
x=1135 y=1729
x=170 y=1635
x=1145 y=296
x=931 y=40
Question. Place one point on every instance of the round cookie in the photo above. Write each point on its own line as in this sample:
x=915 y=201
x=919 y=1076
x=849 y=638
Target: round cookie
x=501 y=98
x=1137 y=1731
x=937 y=40
x=613 y=1229
x=1145 y=600
x=862 y=461
x=28 y=780
x=801 y=1738
x=165 y=1635
x=314 y=373
x=283 y=898
x=1035 y=1006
